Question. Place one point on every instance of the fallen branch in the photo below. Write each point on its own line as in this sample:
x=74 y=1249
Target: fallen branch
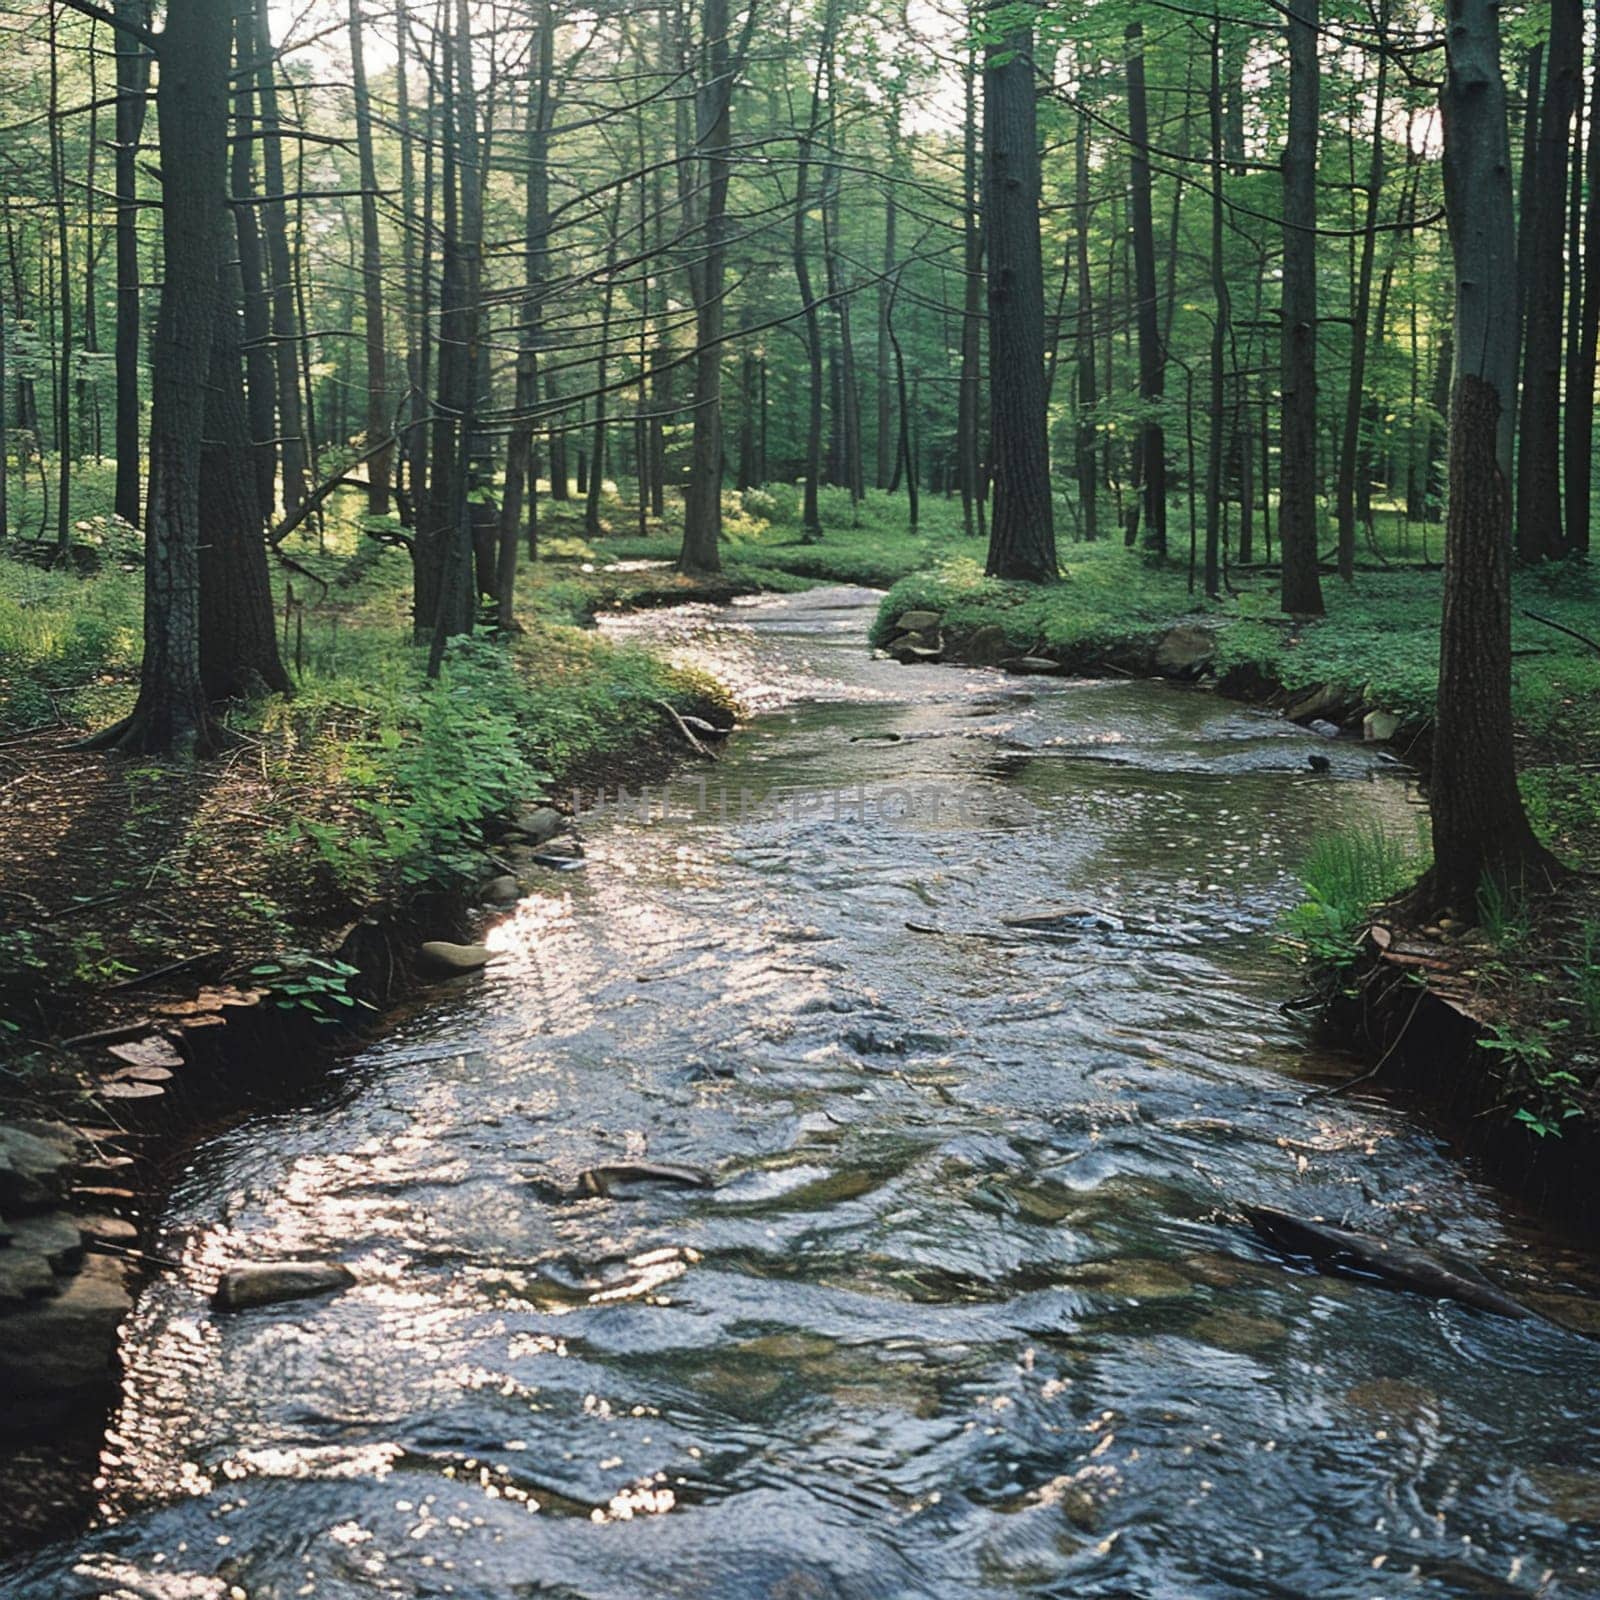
x=685 y=730
x=1561 y=627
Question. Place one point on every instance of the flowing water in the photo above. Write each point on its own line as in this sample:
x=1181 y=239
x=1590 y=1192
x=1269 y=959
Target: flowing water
x=966 y=1313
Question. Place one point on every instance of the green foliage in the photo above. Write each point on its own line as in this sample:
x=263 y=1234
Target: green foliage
x=440 y=760
x=1345 y=876
x=62 y=637
x=319 y=985
x=1502 y=914
x=1541 y=1093
x=1584 y=971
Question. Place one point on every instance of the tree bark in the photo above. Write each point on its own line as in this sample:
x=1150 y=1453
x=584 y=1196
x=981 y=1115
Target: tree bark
x=1355 y=395
x=519 y=487
x=1151 y=460
x=133 y=83
x=1479 y=827
x=1543 y=276
x=1298 y=522
x=1221 y=325
x=238 y=636
x=1579 y=422
x=702 y=501
x=379 y=465
x=286 y=330
x=170 y=714
x=969 y=452
x=1022 y=541
x=1087 y=398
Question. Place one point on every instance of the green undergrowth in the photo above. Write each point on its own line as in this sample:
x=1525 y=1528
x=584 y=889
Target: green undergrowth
x=377 y=781
x=1346 y=876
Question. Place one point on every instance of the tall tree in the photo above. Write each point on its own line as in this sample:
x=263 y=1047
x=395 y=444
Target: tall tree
x=1350 y=451
x=1479 y=827
x=238 y=638
x=1151 y=459
x=1579 y=420
x=170 y=714
x=1539 y=530
x=1022 y=539
x=702 y=506
x=1298 y=522
x=380 y=462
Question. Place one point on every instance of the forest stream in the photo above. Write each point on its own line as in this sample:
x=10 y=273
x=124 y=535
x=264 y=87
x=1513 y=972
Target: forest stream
x=969 y=1311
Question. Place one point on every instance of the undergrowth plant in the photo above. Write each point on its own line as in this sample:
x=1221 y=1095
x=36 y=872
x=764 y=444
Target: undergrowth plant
x=1345 y=876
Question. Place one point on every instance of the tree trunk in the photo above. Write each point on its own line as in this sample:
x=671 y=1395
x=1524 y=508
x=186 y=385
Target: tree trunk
x=1298 y=523
x=380 y=463
x=519 y=487
x=810 y=514
x=170 y=713
x=444 y=575
x=1355 y=394
x=286 y=330
x=64 y=376
x=238 y=636
x=702 y=501
x=1221 y=325
x=969 y=454
x=133 y=84
x=597 y=460
x=1022 y=541
x=1087 y=399
x=887 y=438
x=1479 y=828
x=1543 y=277
x=1151 y=462
x=260 y=371
x=1581 y=376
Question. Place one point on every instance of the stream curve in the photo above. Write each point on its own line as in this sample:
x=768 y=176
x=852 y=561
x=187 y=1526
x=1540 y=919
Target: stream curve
x=968 y=1312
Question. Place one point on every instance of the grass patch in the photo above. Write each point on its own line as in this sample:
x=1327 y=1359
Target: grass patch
x=1345 y=877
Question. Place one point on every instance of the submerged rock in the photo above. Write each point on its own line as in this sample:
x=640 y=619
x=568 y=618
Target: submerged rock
x=612 y=1179
x=441 y=959
x=1031 y=666
x=243 y=1287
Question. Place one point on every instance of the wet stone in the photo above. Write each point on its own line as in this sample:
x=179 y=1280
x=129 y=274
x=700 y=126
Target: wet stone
x=441 y=959
x=24 y=1276
x=1233 y=1330
x=502 y=891
x=1133 y=1278
x=56 y=1355
x=244 y=1287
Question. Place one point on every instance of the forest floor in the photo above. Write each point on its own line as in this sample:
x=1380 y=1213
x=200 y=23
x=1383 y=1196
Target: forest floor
x=129 y=886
